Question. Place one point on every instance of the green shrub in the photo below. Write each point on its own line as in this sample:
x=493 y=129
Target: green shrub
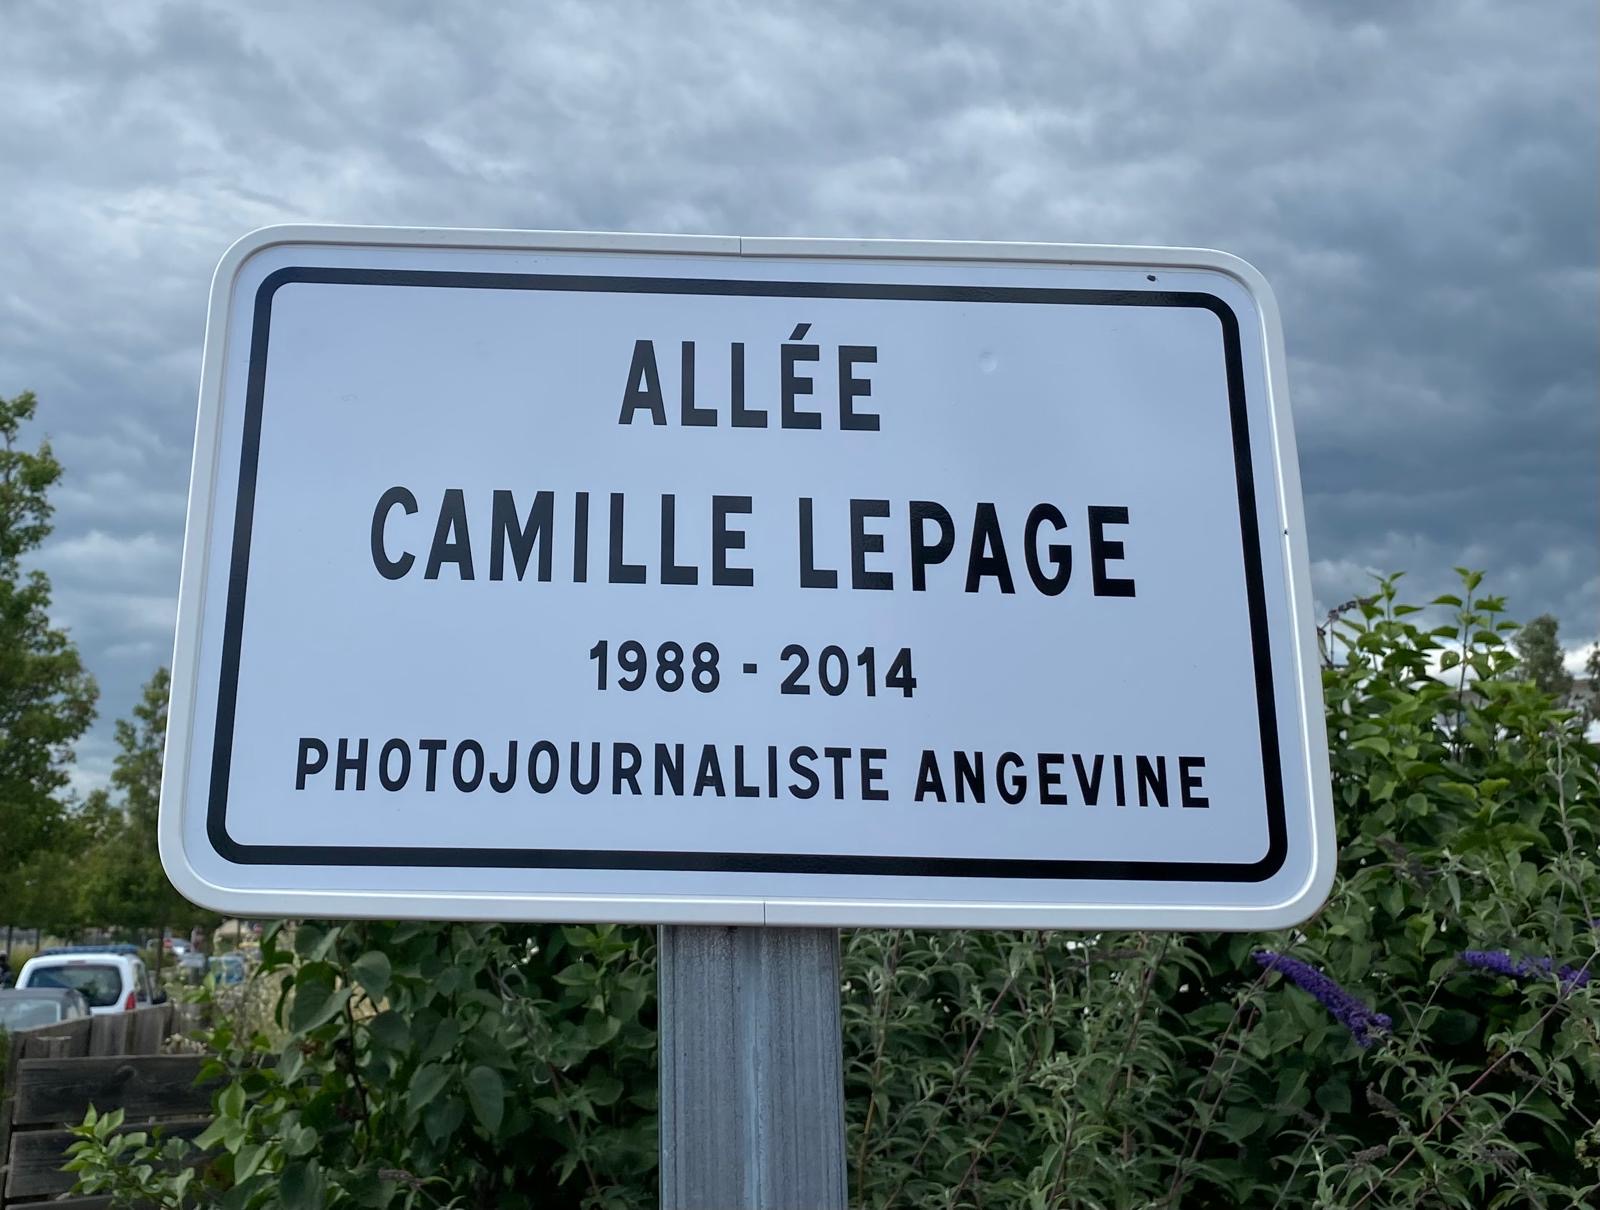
x=425 y=1065
x=428 y=1065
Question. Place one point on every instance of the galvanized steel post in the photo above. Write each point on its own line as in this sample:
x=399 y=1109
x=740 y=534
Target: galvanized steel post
x=752 y=1071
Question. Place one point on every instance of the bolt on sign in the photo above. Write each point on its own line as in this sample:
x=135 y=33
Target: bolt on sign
x=689 y=579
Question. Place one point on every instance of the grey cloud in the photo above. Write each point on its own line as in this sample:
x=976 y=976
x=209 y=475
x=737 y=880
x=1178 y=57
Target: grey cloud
x=1418 y=181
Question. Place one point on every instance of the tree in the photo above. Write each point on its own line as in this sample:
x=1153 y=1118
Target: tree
x=47 y=698
x=1540 y=652
x=1591 y=691
x=126 y=884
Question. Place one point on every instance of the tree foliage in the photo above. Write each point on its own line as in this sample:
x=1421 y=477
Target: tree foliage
x=46 y=696
x=122 y=881
x=1431 y=1038
x=1538 y=646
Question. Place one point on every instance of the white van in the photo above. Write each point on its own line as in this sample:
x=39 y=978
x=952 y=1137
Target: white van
x=111 y=983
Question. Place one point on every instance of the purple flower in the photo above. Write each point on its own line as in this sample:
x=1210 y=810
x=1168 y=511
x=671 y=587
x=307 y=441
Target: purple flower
x=1350 y=1012
x=1502 y=963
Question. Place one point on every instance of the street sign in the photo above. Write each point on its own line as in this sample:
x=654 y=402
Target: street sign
x=720 y=580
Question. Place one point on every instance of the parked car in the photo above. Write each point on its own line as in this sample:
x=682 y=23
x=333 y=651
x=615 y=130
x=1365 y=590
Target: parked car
x=111 y=983
x=29 y=1008
x=193 y=966
x=230 y=969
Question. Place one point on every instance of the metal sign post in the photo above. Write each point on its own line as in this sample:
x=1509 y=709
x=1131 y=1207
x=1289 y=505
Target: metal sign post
x=752 y=1082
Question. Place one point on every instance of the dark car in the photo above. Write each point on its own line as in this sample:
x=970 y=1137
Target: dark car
x=30 y=1007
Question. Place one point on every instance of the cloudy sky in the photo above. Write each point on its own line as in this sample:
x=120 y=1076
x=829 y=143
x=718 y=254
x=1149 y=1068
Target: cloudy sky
x=1418 y=181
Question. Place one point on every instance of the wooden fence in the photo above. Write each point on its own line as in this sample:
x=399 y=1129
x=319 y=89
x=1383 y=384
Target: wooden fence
x=52 y=1075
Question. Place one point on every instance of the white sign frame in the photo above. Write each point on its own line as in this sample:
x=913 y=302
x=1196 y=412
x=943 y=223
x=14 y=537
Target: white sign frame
x=184 y=835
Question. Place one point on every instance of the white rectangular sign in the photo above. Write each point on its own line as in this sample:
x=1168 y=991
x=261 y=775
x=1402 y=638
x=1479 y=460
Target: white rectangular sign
x=555 y=576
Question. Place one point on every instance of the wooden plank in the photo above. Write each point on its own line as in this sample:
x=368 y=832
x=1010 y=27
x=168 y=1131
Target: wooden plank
x=150 y=1028
x=5 y=1131
x=108 y=1035
x=50 y=1091
x=63 y=1040
x=37 y=1156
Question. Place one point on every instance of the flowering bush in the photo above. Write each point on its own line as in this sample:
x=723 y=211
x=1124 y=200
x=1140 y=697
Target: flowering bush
x=1373 y=1057
x=1431 y=1038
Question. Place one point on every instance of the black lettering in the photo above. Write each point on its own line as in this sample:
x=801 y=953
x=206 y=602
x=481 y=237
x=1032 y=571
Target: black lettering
x=505 y=530
x=1018 y=786
x=669 y=768
x=345 y=763
x=625 y=763
x=580 y=538
x=1050 y=778
x=1088 y=786
x=432 y=747
x=795 y=385
x=1103 y=550
x=671 y=573
x=689 y=415
x=740 y=789
x=1190 y=770
x=924 y=555
x=743 y=418
x=852 y=388
x=451 y=543
x=929 y=779
x=585 y=785
x=313 y=758
x=1151 y=780
x=391 y=569
x=810 y=576
x=988 y=554
x=969 y=776
x=812 y=781
x=709 y=775
x=621 y=572
x=724 y=539
x=644 y=386
x=872 y=773
x=544 y=748
x=500 y=784
x=463 y=783
x=398 y=781
x=1060 y=552
x=863 y=544
x=838 y=756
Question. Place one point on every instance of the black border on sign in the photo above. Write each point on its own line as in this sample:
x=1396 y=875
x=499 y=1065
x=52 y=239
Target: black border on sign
x=779 y=863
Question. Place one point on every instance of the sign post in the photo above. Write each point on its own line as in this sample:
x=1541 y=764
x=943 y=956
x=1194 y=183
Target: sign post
x=712 y=582
x=752 y=1080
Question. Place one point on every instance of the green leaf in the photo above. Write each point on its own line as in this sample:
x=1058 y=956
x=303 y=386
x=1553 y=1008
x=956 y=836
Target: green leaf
x=316 y=998
x=426 y=1084
x=1454 y=1026
x=248 y=1160
x=443 y=1118
x=1334 y=1096
x=302 y=1186
x=486 y=1092
x=389 y=1030
x=231 y=1102
x=445 y=1036
x=372 y=971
